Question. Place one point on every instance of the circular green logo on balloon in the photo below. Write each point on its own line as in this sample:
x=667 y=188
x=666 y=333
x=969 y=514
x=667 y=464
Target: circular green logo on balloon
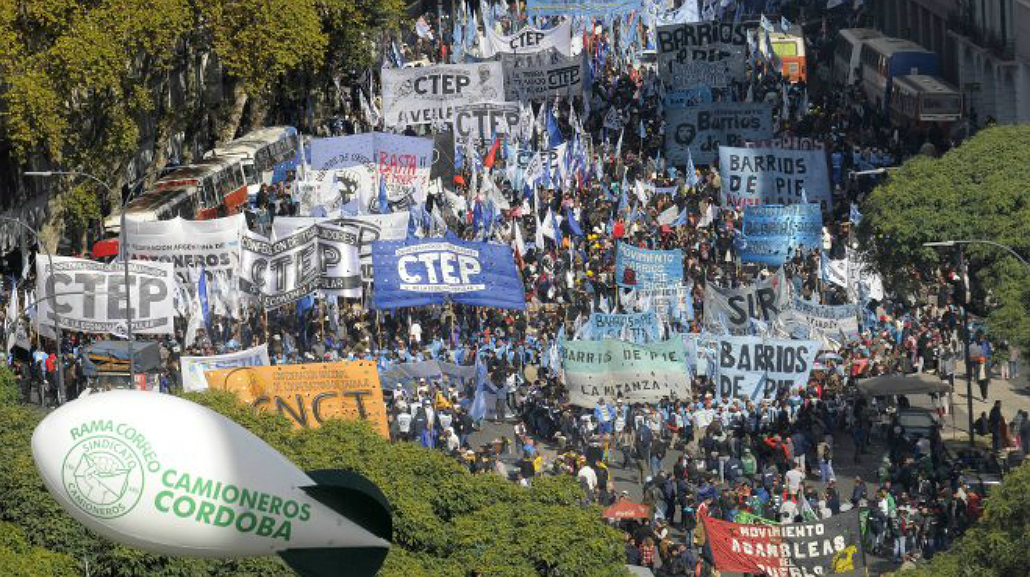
x=103 y=476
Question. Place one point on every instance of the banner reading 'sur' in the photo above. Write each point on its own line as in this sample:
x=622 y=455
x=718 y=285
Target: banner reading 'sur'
x=640 y=267
x=638 y=373
x=773 y=233
x=424 y=272
x=737 y=311
x=830 y=546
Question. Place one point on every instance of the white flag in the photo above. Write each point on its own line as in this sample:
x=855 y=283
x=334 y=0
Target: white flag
x=11 y=321
x=520 y=245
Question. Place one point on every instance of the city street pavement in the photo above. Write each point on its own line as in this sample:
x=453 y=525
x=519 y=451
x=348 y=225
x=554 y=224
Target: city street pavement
x=1014 y=395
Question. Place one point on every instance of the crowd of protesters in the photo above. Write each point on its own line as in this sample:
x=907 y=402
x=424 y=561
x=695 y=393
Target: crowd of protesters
x=767 y=460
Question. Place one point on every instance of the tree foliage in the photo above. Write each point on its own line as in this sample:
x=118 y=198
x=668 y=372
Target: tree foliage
x=82 y=79
x=977 y=191
x=997 y=544
x=447 y=522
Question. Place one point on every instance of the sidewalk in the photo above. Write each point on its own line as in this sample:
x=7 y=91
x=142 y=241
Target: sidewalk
x=1014 y=395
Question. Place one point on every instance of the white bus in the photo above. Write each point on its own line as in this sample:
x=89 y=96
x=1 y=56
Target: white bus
x=847 y=52
x=921 y=99
x=266 y=153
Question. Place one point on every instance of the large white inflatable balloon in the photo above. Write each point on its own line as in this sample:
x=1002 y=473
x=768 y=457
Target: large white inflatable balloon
x=169 y=476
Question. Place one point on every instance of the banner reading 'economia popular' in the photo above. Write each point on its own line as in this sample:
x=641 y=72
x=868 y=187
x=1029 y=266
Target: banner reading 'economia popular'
x=310 y=393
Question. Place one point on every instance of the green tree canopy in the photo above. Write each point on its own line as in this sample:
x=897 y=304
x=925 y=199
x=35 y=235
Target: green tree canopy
x=997 y=544
x=447 y=522
x=980 y=190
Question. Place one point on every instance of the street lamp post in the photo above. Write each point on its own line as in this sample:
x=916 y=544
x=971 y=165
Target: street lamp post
x=957 y=244
x=124 y=251
x=50 y=290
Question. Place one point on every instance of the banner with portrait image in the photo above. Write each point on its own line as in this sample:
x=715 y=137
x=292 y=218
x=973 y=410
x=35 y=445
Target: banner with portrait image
x=638 y=373
x=701 y=129
x=354 y=165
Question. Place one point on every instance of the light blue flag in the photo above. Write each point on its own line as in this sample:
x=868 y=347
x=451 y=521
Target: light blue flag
x=205 y=307
x=765 y=24
x=855 y=216
x=692 y=178
x=784 y=24
x=384 y=201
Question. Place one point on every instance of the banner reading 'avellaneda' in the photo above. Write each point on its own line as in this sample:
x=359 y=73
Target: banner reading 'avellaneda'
x=310 y=393
x=429 y=94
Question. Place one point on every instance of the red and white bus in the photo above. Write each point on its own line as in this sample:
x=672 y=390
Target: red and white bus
x=211 y=188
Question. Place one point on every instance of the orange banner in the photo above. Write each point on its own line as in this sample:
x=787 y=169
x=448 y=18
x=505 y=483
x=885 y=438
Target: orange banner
x=310 y=393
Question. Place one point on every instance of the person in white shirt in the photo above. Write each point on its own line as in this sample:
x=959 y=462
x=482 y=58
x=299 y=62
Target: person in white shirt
x=404 y=425
x=445 y=419
x=588 y=479
x=415 y=332
x=795 y=477
x=451 y=441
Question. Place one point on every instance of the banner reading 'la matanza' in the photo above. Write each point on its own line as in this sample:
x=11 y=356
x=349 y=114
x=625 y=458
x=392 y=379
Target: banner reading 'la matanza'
x=638 y=373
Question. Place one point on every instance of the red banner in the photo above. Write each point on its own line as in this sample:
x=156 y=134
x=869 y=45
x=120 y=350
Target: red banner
x=826 y=547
